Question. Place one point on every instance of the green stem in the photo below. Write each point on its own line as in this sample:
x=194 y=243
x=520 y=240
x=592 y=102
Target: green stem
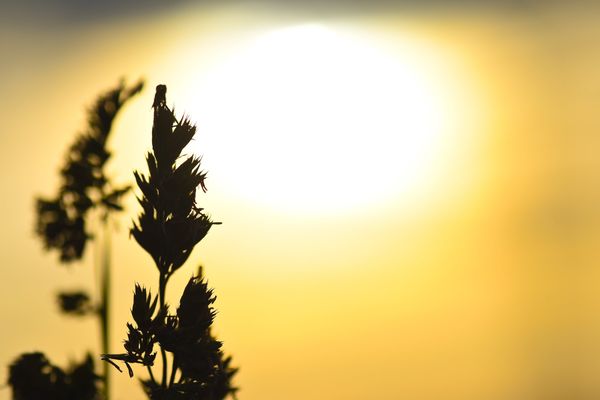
x=151 y=374
x=105 y=304
x=173 y=371
x=162 y=286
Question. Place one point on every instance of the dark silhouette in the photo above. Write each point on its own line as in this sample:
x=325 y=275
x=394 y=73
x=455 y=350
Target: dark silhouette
x=62 y=224
x=61 y=221
x=168 y=228
x=33 y=377
x=160 y=97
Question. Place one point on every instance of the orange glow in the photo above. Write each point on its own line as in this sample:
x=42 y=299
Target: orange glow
x=416 y=217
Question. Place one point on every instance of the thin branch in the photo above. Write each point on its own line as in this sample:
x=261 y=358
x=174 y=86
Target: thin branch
x=161 y=298
x=105 y=303
x=151 y=374
x=173 y=371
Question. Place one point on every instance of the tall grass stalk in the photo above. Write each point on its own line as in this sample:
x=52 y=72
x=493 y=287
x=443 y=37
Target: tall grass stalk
x=85 y=193
x=168 y=228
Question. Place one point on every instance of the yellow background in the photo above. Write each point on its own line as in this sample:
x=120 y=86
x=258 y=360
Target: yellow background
x=486 y=290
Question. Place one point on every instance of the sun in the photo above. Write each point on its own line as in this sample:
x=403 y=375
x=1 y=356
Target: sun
x=315 y=119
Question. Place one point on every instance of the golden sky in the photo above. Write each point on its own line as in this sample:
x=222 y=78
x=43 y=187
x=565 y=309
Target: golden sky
x=410 y=197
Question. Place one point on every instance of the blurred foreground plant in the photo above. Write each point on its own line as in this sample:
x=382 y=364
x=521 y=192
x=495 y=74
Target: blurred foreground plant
x=62 y=221
x=63 y=224
x=168 y=228
x=33 y=377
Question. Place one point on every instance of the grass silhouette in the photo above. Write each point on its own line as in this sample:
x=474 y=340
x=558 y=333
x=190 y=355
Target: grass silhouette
x=32 y=376
x=169 y=227
x=85 y=193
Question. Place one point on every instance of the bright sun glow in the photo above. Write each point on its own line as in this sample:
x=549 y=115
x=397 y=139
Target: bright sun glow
x=310 y=118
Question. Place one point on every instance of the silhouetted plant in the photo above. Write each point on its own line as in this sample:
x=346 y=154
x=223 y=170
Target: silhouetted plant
x=62 y=224
x=76 y=303
x=168 y=228
x=32 y=376
x=61 y=221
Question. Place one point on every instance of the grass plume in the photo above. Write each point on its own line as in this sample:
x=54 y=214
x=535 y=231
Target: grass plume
x=168 y=228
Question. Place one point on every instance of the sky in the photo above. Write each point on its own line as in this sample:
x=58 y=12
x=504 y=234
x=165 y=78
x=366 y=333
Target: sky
x=409 y=193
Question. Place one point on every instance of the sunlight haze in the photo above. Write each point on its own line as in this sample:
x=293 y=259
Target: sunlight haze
x=409 y=195
x=352 y=123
